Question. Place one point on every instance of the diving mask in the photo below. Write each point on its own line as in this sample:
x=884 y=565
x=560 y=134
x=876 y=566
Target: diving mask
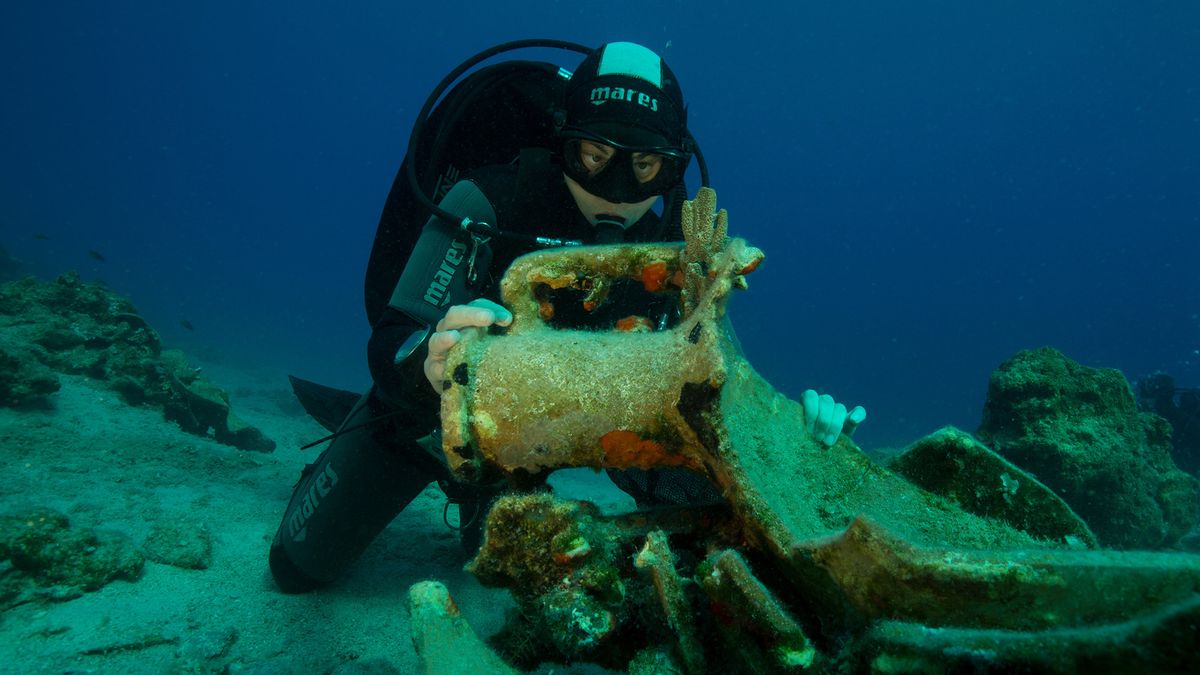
x=618 y=172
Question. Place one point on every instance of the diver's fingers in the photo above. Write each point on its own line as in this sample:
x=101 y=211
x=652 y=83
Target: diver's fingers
x=441 y=342
x=479 y=313
x=435 y=361
x=836 y=419
x=461 y=316
x=856 y=417
x=811 y=403
x=825 y=408
x=503 y=316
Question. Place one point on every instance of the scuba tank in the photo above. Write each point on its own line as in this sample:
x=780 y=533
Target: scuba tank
x=447 y=261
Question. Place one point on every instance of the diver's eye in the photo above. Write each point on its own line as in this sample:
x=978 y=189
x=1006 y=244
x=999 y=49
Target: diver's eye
x=646 y=166
x=593 y=156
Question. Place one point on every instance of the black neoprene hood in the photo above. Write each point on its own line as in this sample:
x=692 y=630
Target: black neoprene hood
x=626 y=93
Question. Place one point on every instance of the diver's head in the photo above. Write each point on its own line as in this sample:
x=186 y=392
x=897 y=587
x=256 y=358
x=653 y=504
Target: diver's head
x=623 y=129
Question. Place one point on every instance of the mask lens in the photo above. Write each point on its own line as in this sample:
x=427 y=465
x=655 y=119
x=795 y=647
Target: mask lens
x=619 y=175
x=593 y=157
x=647 y=166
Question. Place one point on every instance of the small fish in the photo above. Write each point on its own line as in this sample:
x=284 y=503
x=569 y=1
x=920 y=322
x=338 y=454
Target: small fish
x=187 y=324
x=41 y=237
x=96 y=255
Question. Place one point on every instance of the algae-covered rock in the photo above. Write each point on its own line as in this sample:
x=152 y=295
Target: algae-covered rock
x=240 y=434
x=68 y=326
x=180 y=544
x=65 y=561
x=201 y=406
x=1078 y=431
x=1180 y=407
x=951 y=463
x=24 y=379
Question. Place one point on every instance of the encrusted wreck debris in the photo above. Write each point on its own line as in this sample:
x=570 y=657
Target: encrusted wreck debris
x=820 y=560
x=599 y=399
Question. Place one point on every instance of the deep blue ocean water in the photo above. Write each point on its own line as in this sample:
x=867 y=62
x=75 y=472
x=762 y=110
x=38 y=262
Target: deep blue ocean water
x=937 y=185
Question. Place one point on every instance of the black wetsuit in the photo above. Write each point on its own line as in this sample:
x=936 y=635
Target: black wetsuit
x=369 y=474
x=537 y=204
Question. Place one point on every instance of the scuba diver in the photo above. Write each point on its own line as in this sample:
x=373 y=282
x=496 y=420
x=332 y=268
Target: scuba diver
x=518 y=156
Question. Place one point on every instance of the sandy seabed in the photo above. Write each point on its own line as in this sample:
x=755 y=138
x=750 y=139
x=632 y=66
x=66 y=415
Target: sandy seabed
x=113 y=467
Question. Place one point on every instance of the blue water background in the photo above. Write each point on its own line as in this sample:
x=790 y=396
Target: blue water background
x=937 y=185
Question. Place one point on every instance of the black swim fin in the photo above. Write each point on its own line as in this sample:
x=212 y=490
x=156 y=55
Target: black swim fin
x=327 y=405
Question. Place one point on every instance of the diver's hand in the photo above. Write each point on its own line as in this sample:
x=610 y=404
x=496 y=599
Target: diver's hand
x=826 y=419
x=475 y=315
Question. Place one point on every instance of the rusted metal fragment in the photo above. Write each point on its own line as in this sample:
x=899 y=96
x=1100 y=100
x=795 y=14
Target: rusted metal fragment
x=760 y=632
x=886 y=577
x=658 y=562
x=1162 y=642
x=787 y=490
x=443 y=640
